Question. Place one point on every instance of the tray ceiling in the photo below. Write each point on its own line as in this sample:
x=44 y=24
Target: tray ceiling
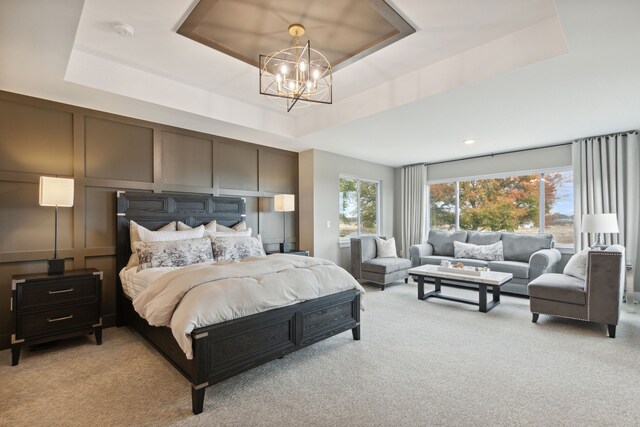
x=343 y=30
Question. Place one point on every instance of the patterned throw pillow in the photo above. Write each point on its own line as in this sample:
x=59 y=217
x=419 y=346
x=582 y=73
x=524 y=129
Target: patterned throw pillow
x=229 y=248
x=134 y=237
x=484 y=252
x=174 y=253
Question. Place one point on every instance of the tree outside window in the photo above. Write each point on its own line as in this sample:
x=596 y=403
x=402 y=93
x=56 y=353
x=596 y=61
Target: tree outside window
x=358 y=207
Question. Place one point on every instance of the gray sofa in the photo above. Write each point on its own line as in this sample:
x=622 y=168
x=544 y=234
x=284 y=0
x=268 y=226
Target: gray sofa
x=598 y=298
x=366 y=266
x=526 y=256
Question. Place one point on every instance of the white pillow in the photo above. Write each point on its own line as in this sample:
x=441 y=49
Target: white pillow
x=241 y=226
x=493 y=252
x=134 y=237
x=214 y=234
x=207 y=227
x=577 y=265
x=386 y=248
x=166 y=236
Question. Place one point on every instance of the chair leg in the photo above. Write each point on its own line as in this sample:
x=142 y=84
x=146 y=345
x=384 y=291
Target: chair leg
x=406 y=280
x=612 y=331
x=534 y=317
x=382 y=288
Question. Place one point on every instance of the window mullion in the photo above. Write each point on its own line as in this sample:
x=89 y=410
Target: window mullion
x=457 y=208
x=358 y=198
x=541 y=204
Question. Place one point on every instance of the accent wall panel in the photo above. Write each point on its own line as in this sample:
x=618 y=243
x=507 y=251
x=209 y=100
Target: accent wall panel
x=278 y=172
x=35 y=140
x=118 y=151
x=25 y=225
x=238 y=166
x=187 y=160
x=100 y=225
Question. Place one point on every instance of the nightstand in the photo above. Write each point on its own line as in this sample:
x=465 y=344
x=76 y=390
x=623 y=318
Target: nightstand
x=301 y=253
x=48 y=307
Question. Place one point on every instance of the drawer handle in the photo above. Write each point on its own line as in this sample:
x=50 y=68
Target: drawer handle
x=60 y=318
x=62 y=291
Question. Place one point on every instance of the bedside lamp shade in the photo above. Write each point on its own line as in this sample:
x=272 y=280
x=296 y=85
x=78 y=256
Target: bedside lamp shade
x=56 y=191
x=284 y=202
x=598 y=224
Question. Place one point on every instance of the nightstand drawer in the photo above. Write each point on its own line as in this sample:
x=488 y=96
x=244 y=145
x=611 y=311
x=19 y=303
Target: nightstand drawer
x=45 y=293
x=57 y=319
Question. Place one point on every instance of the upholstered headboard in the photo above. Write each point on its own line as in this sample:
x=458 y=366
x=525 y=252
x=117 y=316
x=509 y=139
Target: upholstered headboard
x=153 y=210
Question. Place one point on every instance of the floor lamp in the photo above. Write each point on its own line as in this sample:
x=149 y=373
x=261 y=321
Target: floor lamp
x=284 y=203
x=56 y=192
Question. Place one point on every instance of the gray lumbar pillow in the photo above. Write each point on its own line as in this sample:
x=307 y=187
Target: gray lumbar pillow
x=485 y=252
x=577 y=265
x=442 y=241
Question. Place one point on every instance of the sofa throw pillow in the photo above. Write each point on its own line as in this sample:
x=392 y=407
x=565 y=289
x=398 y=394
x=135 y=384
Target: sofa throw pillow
x=207 y=227
x=134 y=237
x=484 y=252
x=577 y=265
x=174 y=253
x=386 y=248
x=241 y=226
x=232 y=248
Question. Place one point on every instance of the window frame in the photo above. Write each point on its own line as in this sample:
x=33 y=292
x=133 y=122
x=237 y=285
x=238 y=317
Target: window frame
x=346 y=241
x=456 y=182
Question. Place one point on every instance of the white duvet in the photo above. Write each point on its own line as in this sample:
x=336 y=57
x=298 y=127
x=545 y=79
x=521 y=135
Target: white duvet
x=205 y=294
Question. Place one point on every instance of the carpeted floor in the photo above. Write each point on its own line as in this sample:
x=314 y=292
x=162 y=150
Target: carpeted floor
x=418 y=363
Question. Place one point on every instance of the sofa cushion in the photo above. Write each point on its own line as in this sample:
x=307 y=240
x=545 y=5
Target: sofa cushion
x=483 y=238
x=486 y=252
x=558 y=287
x=435 y=260
x=386 y=265
x=520 y=247
x=442 y=241
x=520 y=270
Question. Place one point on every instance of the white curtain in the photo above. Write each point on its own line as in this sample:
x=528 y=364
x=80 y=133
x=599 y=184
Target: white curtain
x=606 y=173
x=413 y=206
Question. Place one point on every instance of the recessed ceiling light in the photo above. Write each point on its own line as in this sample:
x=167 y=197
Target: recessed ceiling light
x=124 y=30
x=469 y=141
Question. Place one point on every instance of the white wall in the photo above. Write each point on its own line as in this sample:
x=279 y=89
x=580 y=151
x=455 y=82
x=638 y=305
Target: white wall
x=319 y=174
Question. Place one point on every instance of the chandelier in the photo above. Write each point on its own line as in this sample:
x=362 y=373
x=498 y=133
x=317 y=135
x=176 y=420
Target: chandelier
x=297 y=74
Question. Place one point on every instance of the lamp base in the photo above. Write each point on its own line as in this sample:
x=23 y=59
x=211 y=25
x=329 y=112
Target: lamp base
x=55 y=266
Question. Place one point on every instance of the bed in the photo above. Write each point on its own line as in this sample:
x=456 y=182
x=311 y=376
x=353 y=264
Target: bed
x=222 y=350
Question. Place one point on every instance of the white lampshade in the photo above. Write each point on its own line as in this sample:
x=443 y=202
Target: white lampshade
x=600 y=223
x=56 y=191
x=284 y=202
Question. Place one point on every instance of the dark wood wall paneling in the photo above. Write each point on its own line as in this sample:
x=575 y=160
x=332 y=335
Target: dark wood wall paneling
x=104 y=153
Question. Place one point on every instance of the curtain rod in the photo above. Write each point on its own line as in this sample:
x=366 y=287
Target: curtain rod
x=520 y=150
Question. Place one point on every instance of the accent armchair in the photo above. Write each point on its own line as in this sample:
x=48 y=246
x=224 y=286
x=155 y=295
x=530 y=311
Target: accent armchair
x=598 y=298
x=366 y=266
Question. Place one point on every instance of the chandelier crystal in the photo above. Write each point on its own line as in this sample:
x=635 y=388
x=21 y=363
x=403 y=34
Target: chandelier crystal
x=297 y=75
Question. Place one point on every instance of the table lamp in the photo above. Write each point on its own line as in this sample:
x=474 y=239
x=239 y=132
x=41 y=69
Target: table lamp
x=598 y=224
x=56 y=192
x=284 y=203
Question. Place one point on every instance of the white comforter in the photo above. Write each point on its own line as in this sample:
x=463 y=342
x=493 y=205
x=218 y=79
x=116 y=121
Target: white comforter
x=205 y=294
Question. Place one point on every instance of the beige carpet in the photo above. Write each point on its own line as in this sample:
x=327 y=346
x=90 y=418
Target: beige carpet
x=418 y=363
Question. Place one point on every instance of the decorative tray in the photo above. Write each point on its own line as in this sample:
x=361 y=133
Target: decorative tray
x=467 y=271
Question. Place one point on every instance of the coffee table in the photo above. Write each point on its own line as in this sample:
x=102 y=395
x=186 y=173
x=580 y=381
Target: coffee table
x=493 y=279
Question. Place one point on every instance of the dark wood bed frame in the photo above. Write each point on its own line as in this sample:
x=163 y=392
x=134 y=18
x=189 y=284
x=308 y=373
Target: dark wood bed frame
x=226 y=349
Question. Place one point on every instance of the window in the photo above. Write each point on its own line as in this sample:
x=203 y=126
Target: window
x=442 y=206
x=359 y=207
x=535 y=203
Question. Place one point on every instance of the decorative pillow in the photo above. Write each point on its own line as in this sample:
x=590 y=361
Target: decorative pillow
x=214 y=234
x=241 y=226
x=174 y=253
x=577 y=265
x=165 y=236
x=485 y=252
x=386 y=248
x=228 y=248
x=207 y=227
x=134 y=237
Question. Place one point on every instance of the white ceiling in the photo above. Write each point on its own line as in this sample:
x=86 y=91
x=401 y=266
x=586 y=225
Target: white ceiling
x=507 y=73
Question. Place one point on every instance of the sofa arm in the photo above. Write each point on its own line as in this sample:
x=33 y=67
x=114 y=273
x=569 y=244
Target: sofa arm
x=543 y=261
x=417 y=251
